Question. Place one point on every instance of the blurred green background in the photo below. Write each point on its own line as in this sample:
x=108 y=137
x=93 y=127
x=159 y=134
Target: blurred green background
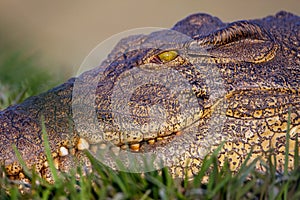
x=63 y=32
x=44 y=42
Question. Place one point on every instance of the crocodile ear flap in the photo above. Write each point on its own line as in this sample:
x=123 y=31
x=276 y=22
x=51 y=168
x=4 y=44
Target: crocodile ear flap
x=239 y=41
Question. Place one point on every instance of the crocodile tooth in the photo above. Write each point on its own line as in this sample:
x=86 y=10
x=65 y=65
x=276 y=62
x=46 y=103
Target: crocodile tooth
x=54 y=154
x=56 y=163
x=46 y=164
x=123 y=147
x=102 y=146
x=72 y=151
x=151 y=141
x=82 y=144
x=135 y=147
x=21 y=175
x=159 y=138
x=115 y=150
x=167 y=137
x=63 y=151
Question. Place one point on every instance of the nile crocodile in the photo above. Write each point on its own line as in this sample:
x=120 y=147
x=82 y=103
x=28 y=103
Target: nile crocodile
x=242 y=78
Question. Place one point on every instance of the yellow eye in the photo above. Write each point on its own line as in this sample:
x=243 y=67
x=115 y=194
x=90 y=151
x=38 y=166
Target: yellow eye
x=167 y=56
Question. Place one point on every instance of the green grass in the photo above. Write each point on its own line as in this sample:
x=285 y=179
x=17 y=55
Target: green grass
x=22 y=75
x=105 y=183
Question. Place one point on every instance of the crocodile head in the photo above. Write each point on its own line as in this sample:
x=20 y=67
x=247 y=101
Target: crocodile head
x=172 y=96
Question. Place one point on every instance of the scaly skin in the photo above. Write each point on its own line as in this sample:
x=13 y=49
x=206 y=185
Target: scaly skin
x=256 y=62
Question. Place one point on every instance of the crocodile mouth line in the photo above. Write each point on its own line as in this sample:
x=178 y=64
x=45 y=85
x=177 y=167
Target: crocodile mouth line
x=157 y=139
x=134 y=146
x=146 y=144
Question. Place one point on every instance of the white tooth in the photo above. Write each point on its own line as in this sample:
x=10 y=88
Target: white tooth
x=82 y=144
x=63 y=151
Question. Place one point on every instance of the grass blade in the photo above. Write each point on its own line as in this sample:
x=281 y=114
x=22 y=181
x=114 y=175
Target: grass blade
x=48 y=152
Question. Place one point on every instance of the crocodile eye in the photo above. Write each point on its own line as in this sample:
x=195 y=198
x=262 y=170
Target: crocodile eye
x=167 y=56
